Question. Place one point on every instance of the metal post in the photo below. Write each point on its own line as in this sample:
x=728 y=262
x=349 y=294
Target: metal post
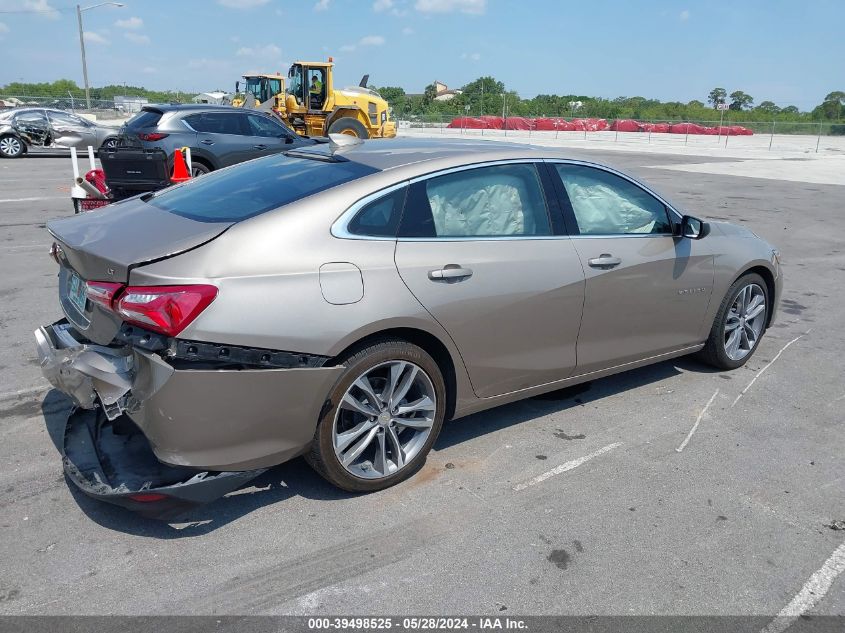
x=819 y=139
x=721 y=118
x=772 y=137
x=504 y=116
x=84 y=65
x=686 y=136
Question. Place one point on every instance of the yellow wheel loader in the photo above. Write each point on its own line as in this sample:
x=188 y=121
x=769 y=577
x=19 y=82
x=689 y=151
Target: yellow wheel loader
x=309 y=103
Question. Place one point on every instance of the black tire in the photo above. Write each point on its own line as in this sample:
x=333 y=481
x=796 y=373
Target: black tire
x=714 y=350
x=322 y=457
x=350 y=126
x=198 y=168
x=11 y=146
x=109 y=143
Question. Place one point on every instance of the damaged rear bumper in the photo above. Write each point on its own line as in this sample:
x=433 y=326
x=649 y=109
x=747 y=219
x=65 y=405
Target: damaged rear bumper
x=203 y=431
x=112 y=461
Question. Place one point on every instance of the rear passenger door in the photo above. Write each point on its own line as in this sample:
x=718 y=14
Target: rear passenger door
x=226 y=135
x=646 y=290
x=478 y=249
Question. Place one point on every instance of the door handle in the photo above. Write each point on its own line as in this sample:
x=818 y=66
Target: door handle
x=604 y=260
x=259 y=147
x=450 y=272
x=205 y=141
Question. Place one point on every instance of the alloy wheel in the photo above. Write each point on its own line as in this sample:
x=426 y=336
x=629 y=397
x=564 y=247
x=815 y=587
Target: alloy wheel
x=744 y=322
x=10 y=146
x=384 y=419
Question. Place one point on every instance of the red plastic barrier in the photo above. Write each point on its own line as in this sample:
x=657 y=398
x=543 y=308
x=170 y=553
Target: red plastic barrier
x=625 y=125
x=517 y=123
x=689 y=128
x=493 y=122
x=468 y=122
x=97 y=177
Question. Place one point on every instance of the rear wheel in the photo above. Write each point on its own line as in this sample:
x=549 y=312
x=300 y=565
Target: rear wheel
x=11 y=147
x=109 y=143
x=385 y=414
x=739 y=324
x=198 y=169
x=349 y=126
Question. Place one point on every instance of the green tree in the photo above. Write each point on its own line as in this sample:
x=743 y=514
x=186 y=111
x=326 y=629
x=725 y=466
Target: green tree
x=717 y=96
x=430 y=92
x=768 y=107
x=740 y=100
x=695 y=104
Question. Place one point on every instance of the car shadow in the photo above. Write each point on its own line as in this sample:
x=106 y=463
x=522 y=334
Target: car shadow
x=296 y=479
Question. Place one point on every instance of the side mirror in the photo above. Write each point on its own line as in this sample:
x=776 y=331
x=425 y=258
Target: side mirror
x=693 y=228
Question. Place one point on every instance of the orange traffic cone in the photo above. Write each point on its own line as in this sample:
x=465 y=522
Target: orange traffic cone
x=180 y=169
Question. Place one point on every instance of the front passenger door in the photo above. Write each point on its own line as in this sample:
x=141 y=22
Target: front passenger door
x=647 y=290
x=270 y=137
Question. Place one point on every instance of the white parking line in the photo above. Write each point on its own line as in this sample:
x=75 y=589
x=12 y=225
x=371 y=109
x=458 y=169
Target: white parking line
x=34 y=199
x=697 y=420
x=566 y=466
x=769 y=364
x=811 y=593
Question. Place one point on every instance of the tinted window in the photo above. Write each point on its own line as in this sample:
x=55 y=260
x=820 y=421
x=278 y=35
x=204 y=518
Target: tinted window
x=218 y=123
x=240 y=192
x=265 y=126
x=145 y=118
x=497 y=201
x=379 y=218
x=606 y=204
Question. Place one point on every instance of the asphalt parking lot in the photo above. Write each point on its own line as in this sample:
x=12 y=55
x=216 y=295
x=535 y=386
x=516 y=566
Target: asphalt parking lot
x=507 y=516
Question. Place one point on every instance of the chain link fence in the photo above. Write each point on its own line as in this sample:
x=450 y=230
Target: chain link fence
x=115 y=108
x=811 y=136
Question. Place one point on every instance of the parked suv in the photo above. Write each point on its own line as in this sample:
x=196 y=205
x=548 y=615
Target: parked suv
x=218 y=136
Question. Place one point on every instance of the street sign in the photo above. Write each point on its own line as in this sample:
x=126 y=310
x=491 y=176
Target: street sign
x=722 y=106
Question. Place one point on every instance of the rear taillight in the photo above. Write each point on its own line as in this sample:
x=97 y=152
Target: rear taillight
x=152 y=136
x=103 y=292
x=164 y=309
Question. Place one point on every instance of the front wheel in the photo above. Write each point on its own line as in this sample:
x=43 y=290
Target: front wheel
x=739 y=324
x=350 y=127
x=384 y=415
x=11 y=147
x=109 y=143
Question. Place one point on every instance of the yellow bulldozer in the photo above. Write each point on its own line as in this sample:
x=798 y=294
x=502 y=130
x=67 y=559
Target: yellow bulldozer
x=309 y=103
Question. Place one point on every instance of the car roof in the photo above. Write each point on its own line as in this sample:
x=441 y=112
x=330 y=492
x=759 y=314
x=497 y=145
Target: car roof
x=188 y=107
x=404 y=152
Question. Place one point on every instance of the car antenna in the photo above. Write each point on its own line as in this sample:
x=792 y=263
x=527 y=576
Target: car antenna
x=339 y=141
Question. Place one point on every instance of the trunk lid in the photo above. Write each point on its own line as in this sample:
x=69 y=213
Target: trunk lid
x=105 y=245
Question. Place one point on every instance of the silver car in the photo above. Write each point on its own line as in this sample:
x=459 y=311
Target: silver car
x=24 y=128
x=342 y=302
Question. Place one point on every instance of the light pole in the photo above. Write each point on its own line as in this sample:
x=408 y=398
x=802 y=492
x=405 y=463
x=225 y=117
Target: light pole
x=79 y=11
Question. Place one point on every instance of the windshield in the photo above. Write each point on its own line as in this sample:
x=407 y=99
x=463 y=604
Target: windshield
x=295 y=81
x=253 y=87
x=241 y=192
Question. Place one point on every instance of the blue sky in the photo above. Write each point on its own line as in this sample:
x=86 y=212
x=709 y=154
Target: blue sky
x=786 y=52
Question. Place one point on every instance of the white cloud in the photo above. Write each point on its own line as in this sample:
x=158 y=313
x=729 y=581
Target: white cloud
x=684 y=16
x=382 y=5
x=3 y=28
x=242 y=4
x=269 y=50
x=42 y=7
x=371 y=40
x=322 y=5
x=407 y=31
x=133 y=23
x=471 y=56
x=137 y=38
x=93 y=37
x=149 y=70
x=476 y=7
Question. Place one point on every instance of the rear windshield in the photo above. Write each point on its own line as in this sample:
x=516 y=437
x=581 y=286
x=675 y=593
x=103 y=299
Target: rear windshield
x=145 y=118
x=252 y=188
